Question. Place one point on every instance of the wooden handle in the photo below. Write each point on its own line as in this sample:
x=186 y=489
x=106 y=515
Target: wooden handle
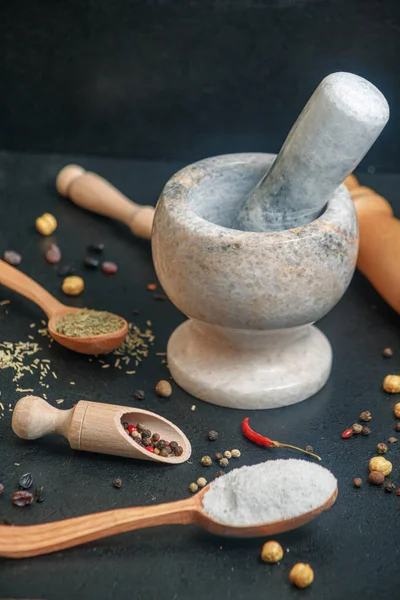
x=24 y=285
x=33 y=418
x=34 y=540
x=379 y=253
x=92 y=192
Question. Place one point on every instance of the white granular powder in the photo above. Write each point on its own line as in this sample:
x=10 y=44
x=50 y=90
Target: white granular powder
x=268 y=492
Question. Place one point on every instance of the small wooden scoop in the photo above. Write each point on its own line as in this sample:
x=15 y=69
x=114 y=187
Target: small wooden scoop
x=24 y=285
x=92 y=192
x=34 y=540
x=96 y=427
x=379 y=252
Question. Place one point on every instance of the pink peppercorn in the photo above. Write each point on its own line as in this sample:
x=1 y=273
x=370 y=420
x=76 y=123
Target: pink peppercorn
x=166 y=443
x=150 y=448
x=53 y=254
x=109 y=268
x=132 y=428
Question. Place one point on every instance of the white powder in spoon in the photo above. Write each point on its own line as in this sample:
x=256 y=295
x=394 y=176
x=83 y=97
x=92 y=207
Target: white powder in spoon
x=268 y=492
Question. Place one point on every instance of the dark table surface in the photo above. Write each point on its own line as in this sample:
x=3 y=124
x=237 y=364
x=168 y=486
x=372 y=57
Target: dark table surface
x=353 y=548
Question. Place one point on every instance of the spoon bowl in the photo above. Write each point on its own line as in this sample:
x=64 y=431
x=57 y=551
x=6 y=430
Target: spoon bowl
x=34 y=540
x=24 y=285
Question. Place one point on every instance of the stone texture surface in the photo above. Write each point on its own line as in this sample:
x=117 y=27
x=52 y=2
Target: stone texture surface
x=247 y=281
x=336 y=128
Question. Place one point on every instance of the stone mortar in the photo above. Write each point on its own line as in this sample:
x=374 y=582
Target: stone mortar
x=251 y=297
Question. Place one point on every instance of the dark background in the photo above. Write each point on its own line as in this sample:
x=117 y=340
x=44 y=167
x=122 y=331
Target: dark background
x=151 y=86
x=186 y=79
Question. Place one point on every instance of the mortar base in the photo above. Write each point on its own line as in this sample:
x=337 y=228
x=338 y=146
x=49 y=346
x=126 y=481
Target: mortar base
x=249 y=369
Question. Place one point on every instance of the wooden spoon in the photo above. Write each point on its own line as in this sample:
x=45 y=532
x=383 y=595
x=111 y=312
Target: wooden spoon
x=24 y=285
x=33 y=540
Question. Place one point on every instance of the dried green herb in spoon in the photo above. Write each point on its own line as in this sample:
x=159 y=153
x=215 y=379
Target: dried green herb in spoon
x=88 y=323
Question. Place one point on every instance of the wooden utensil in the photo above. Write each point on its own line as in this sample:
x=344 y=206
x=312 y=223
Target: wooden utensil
x=24 y=285
x=92 y=192
x=379 y=252
x=33 y=540
x=96 y=427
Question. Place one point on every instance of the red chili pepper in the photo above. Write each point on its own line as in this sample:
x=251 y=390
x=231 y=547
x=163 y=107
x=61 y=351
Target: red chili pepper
x=261 y=440
x=132 y=428
x=150 y=448
x=347 y=433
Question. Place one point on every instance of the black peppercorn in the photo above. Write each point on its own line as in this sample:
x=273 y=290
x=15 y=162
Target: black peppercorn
x=96 y=248
x=168 y=449
x=174 y=444
x=139 y=395
x=389 y=487
x=178 y=451
x=161 y=444
x=365 y=431
x=125 y=424
x=146 y=433
x=26 y=481
x=117 y=483
x=39 y=494
x=309 y=448
x=146 y=441
x=65 y=270
x=141 y=427
x=212 y=435
x=155 y=437
x=90 y=262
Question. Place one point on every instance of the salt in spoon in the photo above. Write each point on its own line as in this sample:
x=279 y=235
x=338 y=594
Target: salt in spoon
x=24 y=285
x=35 y=540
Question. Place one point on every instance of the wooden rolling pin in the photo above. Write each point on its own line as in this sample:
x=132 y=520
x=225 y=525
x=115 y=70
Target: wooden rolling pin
x=94 y=193
x=379 y=253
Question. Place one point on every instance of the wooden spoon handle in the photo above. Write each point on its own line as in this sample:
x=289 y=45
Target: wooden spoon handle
x=92 y=192
x=24 y=285
x=33 y=540
x=379 y=252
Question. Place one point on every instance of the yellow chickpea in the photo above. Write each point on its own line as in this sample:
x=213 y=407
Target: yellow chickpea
x=301 y=575
x=397 y=410
x=73 y=286
x=46 y=224
x=379 y=463
x=272 y=552
x=391 y=384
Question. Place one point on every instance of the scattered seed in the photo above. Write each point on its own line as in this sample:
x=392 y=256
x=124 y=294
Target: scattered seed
x=53 y=254
x=161 y=297
x=393 y=440
x=381 y=448
x=272 y=552
x=237 y=454
x=391 y=384
x=117 y=483
x=109 y=268
x=39 y=497
x=365 y=416
x=96 y=248
x=73 y=286
x=1 y=488
x=379 y=463
x=206 y=461
x=308 y=448
x=46 y=224
x=398 y=492
x=163 y=389
x=376 y=478
x=65 y=270
x=193 y=407
x=397 y=428
x=151 y=287
x=389 y=487
x=22 y=498
x=365 y=431
x=90 y=262
x=227 y=454
x=347 y=433
x=224 y=462
x=219 y=474
x=12 y=258
x=139 y=395
x=26 y=481
x=212 y=435
x=218 y=456
x=301 y=575
x=357 y=428
x=396 y=410
x=193 y=487
x=201 y=482
x=387 y=352
x=357 y=482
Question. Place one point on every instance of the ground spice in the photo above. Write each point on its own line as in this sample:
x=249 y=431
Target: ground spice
x=270 y=491
x=88 y=323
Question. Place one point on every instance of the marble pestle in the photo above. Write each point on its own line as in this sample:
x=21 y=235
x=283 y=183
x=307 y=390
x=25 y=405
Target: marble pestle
x=336 y=128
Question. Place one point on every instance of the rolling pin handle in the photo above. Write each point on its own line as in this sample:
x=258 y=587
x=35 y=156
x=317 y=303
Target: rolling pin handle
x=66 y=176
